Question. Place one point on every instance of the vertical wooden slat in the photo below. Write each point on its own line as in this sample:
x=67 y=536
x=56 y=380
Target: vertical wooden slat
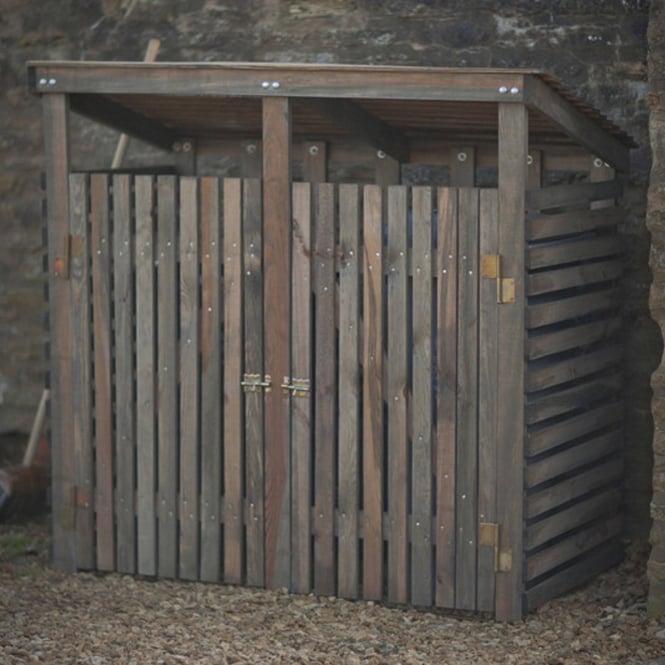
x=189 y=379
x=301 y=404
x=101 y=306
x=81 y=367
x=56 y=137
x=233 y=407
x=535 y=169
x=396 y=395
x=421 y=471
x=325 y=393
x=211 y=382
x=446 y=434
x=253 y=321
x=463 y=166
x=167 y=375
x=124 y=373
x=348 y=391
x=488 y=387
x=146 y=345
x=513 y=142
x=372 y=357
x=276 y=224
x=315 y=161
x=467 y=403
x=387 y=170
x=250 y=159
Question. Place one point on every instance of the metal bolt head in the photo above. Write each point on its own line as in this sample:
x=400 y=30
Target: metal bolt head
x=275 y=84
x=461 y=156
x=380 y=154
x=251 y=148
x=529 y=160
x=598 y=162
x=314 y=150
x=187 y=146
x=514 y=90
x=42 y=81
x=51 y=81
x=265 y=84
x=503 y=90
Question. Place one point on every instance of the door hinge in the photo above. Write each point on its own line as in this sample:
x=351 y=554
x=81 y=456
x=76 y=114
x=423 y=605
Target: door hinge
x=490 y=268
x=298 y=387
x=252 y=383
x=489 y=536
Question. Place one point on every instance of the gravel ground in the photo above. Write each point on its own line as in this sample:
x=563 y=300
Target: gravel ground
x=49 y=617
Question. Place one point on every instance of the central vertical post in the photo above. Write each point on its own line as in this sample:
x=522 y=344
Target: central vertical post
x=276 y=259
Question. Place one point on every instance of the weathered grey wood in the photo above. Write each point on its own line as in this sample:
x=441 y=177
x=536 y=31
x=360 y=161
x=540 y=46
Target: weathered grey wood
x=251 y=159
x=583 y=453
x=373 y=420
x=189 y=380
x=146 y=346
x=573 y=546
x=232 y=255
x=543 y=227
x=569 y=252
x=387 y=170
x=167 y=377
x=599 y=172
x=315 y=161
x=446 y=432
x=555 y=311
x=325 y=362
x=56 y=137
x=535 y=163
x=422 y=552
x=466 y=494
x=81 y=368
x=547 y=373
x=125 y=406
x=301 y=404
x=593 y=507
x=254 y=432
x=560 y=196
x=463 y=166
x=565 y=278
x=277 y=317
x=184 y=154
x=488 y=389
x=348 y=391
x=551 y=497
x=397 y=394
x=513 y=142
x=100 y=249
x=569 y=578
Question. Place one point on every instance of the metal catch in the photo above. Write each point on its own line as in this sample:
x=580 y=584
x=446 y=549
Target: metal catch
x=251 y=383
x=491 y=269
x=298 y=387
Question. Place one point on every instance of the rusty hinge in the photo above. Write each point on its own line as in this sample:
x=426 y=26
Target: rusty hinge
x=298 y=387
x=489 y=536
x=252 y=383
x=490 y=268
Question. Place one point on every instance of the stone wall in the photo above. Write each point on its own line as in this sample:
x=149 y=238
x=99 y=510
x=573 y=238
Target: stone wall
x=596 y=47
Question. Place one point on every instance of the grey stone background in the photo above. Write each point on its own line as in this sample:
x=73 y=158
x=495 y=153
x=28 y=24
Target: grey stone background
x=597 y=48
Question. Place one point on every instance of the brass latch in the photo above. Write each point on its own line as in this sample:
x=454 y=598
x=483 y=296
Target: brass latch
x=488 y=536
x=298 y=387
x=251 y=383
x=491 y=269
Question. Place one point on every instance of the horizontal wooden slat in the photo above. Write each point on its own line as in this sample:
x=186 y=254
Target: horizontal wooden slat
x=555 y=311
x=561 y=401
x=545 y=438
x=572 y=488
x=539 y=346
x=590 y=508
x=566 y=278
x=577 y=574
x=569 y=195
x=549 y=467
x=542 y=227
x=570 y=251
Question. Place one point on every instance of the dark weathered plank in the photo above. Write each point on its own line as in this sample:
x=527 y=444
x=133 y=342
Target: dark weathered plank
x=232 y=255
x=513 y=142
x=446 y=433
x=253 y=333
x=543 y=227
x=100 y=249
x=372 y=359
x=555 y=311
x=125 y=406
x=387 y=170
x=277 y=317
x=301 y=402
x=81 y=368
x=570 y=251
x=189 y=379
x=251 y=159
x=463 y=166
x=466 y=494
x=56 y=109
x=348 y=391
x=422 y=581
x=211 y=382
x=561 y=196
x=565 y=278
x=535 y=162
x=397 y=395
x=315 y=161
x=488 y=387
x=167 y=377
x=146 y=345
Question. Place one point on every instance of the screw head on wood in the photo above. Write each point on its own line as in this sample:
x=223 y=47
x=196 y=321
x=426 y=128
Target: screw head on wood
x=529 y=160
x=503 y=90
x=514 y=90
x=598 y=162
x=461 y=156
x=275 y=84
x=251 y=148
x=380 y=154
x=187 y=146
x=265 y=84
x=314 y=150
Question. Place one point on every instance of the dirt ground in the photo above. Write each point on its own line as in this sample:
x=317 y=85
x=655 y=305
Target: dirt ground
x=50 y=617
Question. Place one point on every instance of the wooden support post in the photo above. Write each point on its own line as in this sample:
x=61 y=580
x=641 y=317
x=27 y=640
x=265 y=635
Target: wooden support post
x=463 y=167
x=387 y=169
x=315 y=161
x=276 y=230
x=56 y=135
x=513 y=145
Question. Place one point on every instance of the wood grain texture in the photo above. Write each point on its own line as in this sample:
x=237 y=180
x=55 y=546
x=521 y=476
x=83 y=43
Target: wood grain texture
x=315 y=161
x=542 y=227
x=463 y=166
